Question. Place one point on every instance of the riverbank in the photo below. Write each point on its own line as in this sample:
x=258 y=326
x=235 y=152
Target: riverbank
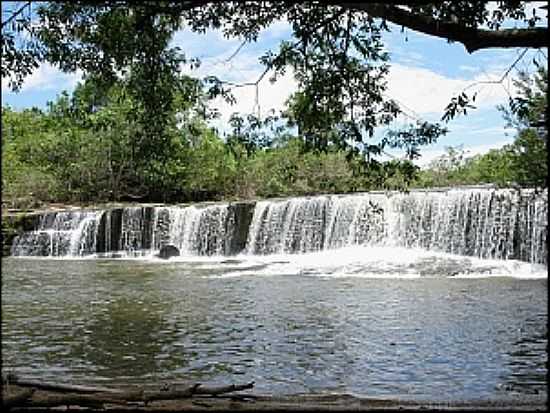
x=243 y=401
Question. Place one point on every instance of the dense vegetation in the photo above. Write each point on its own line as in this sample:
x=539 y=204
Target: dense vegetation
x=137 y=127
x=522 y=163
x=83 y=149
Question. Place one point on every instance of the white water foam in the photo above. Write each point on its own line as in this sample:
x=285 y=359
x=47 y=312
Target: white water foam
x=360 y=261
x=352 y=261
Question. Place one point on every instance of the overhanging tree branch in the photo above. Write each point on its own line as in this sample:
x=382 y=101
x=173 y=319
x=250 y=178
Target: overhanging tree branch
x=473 y=39
x=15 y=14
x=462 y=102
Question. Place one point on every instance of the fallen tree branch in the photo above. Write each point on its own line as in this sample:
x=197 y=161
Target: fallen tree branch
x=57 y=387
x=59 y=395
x=100 y=399
x=171 y=394
x=76 y=399
x=213 y=391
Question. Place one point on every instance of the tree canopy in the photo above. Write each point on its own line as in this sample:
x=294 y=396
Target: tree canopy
x=337 y=57
x=523 y=162
x=135 y=89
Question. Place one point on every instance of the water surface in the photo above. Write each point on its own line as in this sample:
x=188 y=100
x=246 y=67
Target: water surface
x=421 y=326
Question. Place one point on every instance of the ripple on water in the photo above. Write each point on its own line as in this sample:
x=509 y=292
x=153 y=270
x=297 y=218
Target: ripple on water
x=311 y=323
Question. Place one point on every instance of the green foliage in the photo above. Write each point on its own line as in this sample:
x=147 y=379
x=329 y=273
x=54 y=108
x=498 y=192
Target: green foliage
x=528 y=108
x=530 y=159
x=458 y=105
x=454 y=168
x=340 y=69
x=25 y=177
x=250 y=133
x=413 y=137
x=211 y=168
x=290 y=170
x=524 y=162
x=338 y=59
x=136 y=128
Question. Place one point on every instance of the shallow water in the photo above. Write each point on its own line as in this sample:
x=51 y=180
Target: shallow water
x=368 y=321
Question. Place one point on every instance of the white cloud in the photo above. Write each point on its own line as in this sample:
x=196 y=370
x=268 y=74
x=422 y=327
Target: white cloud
x=492 y=130
x=425 y=91
x=47 y=77
x=420 y=90
x=468 y=68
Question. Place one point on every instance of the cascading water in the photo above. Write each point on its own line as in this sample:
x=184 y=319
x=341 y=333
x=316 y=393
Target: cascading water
x=194 y=231
x=57 y=234
x=487 y=223
x=480 y=222
x=130 y=231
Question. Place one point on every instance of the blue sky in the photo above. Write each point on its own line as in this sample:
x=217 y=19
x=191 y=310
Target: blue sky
x=426 y=72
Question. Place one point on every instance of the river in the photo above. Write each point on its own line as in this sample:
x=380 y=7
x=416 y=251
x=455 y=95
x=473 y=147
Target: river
x=362 y=320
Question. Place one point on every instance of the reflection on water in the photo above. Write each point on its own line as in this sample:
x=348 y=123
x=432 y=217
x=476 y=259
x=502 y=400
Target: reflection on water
x=527 y=358
x=432 y=337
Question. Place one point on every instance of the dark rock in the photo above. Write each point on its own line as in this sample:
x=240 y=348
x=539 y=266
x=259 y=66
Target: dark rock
x=167 y=251
x=241 y=216
x=110 y=230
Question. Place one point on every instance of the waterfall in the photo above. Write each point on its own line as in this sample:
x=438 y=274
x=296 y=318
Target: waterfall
x=481 y=222
x=140 y=230
x=312 y=224
x=487 y=223
x=58 y=234
x=194 y=231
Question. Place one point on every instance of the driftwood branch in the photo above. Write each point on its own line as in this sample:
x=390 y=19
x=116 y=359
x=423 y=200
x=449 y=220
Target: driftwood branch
x=53 y=394
x=87 y=400
x=171 y=394
x=57 y=387
x=214 y=391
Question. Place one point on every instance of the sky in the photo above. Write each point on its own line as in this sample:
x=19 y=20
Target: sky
x=426 y=72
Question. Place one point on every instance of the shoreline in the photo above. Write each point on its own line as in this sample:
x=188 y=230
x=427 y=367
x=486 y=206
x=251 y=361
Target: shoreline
x=244 y=401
